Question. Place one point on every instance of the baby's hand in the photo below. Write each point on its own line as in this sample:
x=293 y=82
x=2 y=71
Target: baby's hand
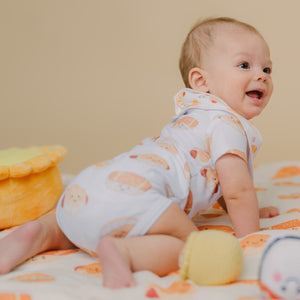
x=268 y=212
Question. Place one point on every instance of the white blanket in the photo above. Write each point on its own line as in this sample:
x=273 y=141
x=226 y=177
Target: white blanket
x=76 y=275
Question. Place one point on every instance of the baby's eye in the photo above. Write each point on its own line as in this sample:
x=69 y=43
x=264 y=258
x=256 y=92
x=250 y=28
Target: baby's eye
x=244 y=65
x=267 y=70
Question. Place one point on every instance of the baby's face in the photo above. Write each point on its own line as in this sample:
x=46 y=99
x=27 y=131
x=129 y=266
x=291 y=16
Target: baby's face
x=238 y=70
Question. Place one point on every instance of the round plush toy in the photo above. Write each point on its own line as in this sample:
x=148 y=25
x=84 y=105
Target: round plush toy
x=211 y=257
x=30 y=183
x=279 y=272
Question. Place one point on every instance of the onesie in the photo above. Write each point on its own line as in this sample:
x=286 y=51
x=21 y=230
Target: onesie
x=125 y=196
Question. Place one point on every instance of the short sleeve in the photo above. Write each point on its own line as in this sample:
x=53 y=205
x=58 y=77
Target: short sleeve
x=227 y=136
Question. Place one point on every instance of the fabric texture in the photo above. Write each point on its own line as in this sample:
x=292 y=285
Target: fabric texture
x=126 y=195
x=74 y=274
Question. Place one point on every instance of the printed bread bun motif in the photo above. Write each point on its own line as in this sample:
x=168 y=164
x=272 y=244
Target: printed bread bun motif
x=185 y=123
x=118 y=228
x=201 y=156
x=155 y=138
x=189 y=203
x=127 y=182
x=253 y=149
x=168 y=144
x=238 y=153
x=187 y=172
x=152 y=159
x=194 y=103
x=74 y=200
x=179 y=99
x=168 y=191
x=212 y=179
x=103 y=164
x=233 y=121
x=214 y=100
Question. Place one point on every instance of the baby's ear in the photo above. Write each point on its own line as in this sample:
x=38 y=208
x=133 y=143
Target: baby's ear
x=197 y=80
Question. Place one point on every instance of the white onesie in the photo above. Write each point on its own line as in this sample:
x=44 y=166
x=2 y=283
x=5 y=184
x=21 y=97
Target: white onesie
x=126 y=195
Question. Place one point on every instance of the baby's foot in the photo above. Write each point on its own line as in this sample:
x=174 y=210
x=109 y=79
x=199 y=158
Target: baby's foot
x=19 y=245
x=115 y=265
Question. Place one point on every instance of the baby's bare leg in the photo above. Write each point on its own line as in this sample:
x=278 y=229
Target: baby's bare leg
x=157 y=251
x=30 y=239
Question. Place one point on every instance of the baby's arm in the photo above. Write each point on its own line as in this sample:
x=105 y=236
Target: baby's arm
x=239 y=194
x=264 y=212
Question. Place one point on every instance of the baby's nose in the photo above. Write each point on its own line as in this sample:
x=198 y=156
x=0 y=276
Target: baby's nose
x=260 y=75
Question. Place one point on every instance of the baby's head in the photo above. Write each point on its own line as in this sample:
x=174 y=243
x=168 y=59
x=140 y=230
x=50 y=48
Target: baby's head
x=231 y=60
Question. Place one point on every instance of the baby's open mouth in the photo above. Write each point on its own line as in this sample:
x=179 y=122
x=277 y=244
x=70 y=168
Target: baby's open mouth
x=255 y=94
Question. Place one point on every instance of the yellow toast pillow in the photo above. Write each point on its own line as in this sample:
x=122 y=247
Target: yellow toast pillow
x=30 y=183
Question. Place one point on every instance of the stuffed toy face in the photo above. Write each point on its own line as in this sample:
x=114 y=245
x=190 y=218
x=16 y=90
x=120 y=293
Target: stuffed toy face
x=279 y=272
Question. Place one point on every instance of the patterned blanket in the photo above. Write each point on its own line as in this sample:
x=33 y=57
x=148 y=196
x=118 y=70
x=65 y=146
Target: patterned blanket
x=73 y=274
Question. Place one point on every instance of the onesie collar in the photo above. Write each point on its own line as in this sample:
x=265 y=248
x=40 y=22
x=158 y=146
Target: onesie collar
x=187 y=99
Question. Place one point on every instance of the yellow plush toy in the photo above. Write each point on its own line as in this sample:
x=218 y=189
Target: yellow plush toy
x=211 y=257
x=30 y=183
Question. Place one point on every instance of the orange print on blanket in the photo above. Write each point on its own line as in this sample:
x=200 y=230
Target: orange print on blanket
x=217 y=206
x=91 y=269
x=60 y=252
x=256 y=241
x=292 y=210
x=246 y=281
x=50 y=256
x=287 y=172
x=216 y=227
x=286 y=225
x=34 y=277
x=290 y=196
x=178 y=287
x=259 y=189
x=287 y=183
x=212 y=215
x=14 y=296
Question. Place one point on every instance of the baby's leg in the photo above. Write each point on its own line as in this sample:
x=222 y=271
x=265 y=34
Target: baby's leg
x=30 y=239
x=158 y=251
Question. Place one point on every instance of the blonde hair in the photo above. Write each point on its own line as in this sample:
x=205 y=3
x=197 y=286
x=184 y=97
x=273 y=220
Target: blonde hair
x=199 y=38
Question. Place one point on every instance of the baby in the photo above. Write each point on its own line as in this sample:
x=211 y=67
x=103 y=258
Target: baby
x=135 y=212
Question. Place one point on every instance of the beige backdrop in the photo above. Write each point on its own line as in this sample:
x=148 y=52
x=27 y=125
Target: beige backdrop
x=98 y=76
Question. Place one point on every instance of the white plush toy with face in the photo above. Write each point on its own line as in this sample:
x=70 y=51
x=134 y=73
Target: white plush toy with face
x=279 y=272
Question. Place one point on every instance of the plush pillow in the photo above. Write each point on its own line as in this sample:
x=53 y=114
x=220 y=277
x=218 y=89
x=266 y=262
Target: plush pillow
x=30 y=183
